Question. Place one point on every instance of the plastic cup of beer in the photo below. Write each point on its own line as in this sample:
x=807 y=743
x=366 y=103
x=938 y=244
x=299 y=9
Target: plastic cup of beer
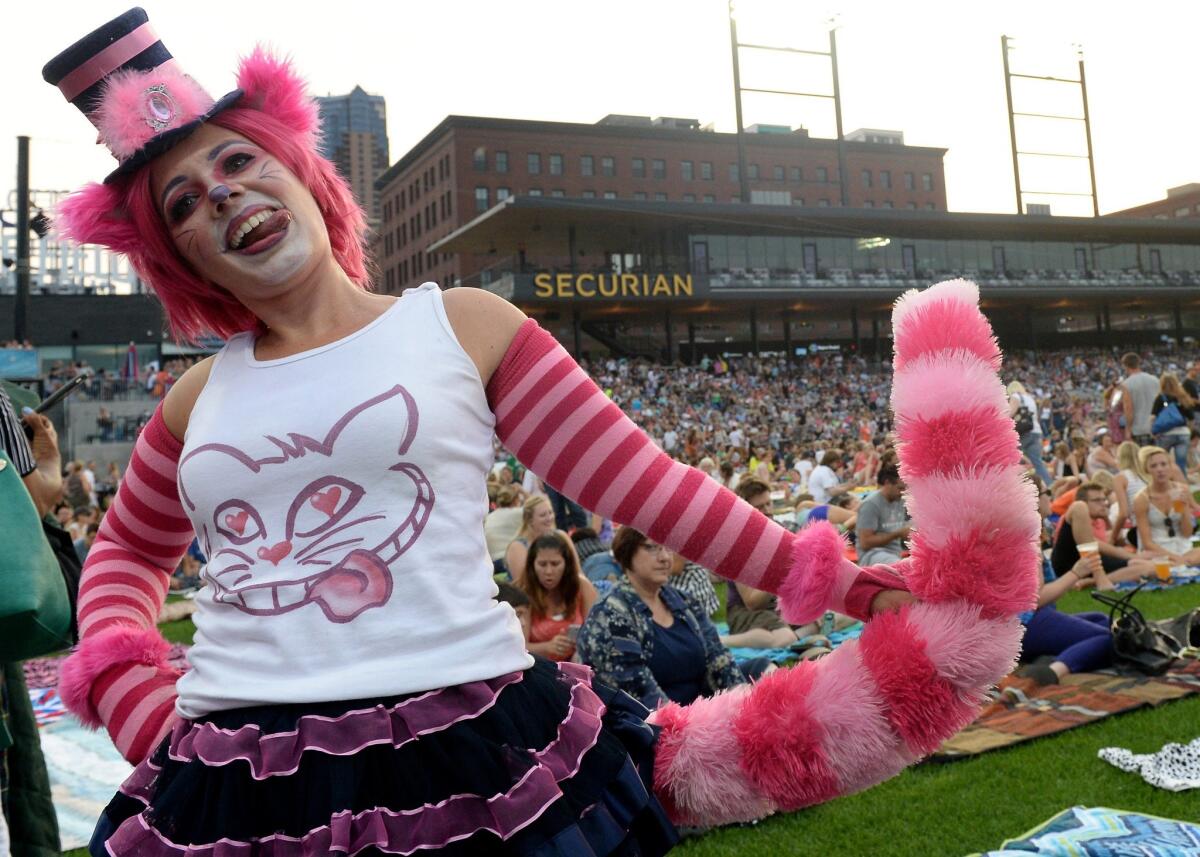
x=1162 y=568
x=1087 y=550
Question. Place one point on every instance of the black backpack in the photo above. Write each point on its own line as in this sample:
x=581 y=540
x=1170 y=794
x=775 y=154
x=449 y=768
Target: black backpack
x=1138 y=645
x=1023 y=420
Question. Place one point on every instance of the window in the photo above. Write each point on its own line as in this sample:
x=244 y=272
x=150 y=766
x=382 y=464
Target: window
x=689 y=197
x=999 y=263
x=708 y=197
x=927 y=181
x=910 y=181
x=752 y=171
x=608 y=167
x=797 y=200
x=734 y=175
x=777 y=173
x=1183 y=212
x=822 y=203
x=1155 y=261
x=660 y=197
x=929 y=206
x=887 y=203
x=535 y=191
x=481 y=199
x=502 y=193
x=809 y=251
x=534 y=162
x=706 y=171
x=556 y=165
x=639 y=194
x=797 y=174
x=610 y=194
x=587 y=165
x=868 y=204
x=866 y=178
x=686 y=170
x=658 y=168
x=479 y=159
x=823 y=176
x=885 y=179
x=588 y=194
x=911 y=206
x=558 y=193
x=502 y=162
x=1081 y=259
x=639 y=168
x=908 y=255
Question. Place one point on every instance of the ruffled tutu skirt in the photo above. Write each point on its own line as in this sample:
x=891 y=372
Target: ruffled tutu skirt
x=542 y=763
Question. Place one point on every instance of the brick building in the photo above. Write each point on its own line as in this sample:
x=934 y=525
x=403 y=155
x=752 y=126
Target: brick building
x=468 y=164
x=1182 y=201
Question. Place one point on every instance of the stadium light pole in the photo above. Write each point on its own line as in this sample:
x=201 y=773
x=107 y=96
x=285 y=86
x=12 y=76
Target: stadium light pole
x=1012 y=124
x=743 y=181
x=21 y=310
x=1087 y=131
x=837 y=113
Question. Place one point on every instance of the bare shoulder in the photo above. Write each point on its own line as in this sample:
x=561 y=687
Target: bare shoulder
x=181 y=398
x=485 y=325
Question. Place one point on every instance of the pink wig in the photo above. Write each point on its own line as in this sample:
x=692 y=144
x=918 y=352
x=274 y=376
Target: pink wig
x=275 y=114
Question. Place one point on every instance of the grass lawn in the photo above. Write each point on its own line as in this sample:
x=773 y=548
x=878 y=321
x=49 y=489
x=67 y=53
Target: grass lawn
x=958 y=808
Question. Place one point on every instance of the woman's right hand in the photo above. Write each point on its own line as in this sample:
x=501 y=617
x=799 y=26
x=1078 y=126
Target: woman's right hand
x=1088 y=566
x=562 y=645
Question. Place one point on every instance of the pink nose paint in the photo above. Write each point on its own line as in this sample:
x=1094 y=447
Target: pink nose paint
x=276 y=552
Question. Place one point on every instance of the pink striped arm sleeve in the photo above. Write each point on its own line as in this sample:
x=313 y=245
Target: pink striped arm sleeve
x=118 y=676
x=552 y=416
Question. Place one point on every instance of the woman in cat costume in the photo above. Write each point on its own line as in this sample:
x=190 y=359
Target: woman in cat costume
x=354 y=688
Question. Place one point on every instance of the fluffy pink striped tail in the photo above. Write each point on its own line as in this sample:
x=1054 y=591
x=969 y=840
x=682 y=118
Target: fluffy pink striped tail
x=862 y=714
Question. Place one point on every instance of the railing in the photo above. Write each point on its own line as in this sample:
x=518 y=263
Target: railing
x=764 y=278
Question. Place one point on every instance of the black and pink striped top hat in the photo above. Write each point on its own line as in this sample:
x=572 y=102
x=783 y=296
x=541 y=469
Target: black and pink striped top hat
x=125 y=81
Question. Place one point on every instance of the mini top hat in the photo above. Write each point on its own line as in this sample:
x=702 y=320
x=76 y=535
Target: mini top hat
x=129 y=86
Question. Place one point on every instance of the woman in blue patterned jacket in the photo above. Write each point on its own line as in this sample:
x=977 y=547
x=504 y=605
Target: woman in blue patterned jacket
x=651 y=640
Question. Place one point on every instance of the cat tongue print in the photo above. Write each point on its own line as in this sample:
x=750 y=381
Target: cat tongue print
x=359 y=582
x=330 y=543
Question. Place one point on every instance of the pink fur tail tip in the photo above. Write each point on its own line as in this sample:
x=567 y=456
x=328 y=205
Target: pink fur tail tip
x=100 y=653
x=809 y=587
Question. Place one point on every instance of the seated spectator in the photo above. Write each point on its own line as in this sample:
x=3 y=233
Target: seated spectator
x=695 y=581
x=650 y=640
x=1064 y=463
x=1075 y=642
x=883 y=521
x=1163 y=512
x=1127 y=483
x=1103 y=457
x=1087 y=521
x=595 y=559
x=84 y=543
x=502 y=525
x=826 y=480
x=559 y=596
x=1063 y=501
x=518 y=601
x=1175 y=441
x=537 y=519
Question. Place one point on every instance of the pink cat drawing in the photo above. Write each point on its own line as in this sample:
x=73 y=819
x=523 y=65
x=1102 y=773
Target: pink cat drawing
x=330 y=541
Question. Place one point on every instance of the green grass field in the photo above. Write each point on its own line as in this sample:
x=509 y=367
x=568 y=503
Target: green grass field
x=958 y=808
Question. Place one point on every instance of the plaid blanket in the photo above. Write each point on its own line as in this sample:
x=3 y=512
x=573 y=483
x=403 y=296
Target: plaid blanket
x=1024 y=710
x=1100 y=832
x=782 y=656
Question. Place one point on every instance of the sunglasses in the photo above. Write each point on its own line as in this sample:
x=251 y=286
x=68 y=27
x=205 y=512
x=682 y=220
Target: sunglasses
x=1170 y=526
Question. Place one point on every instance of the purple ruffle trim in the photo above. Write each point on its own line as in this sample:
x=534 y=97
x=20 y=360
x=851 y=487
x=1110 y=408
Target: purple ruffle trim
x=402 y=831
x=278 y=753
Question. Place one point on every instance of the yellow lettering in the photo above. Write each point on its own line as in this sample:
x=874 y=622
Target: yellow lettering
x=683 y=285
x=611 y=283
x=542 y=286
x=646 y=285
x=662 y=286
x=579 y=281
x=629 y=285
x=563 y=281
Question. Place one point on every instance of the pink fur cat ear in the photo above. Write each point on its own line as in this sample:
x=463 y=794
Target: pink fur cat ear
x=272 y=86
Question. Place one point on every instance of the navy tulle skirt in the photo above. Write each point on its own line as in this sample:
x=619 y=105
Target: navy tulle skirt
x=541 y=762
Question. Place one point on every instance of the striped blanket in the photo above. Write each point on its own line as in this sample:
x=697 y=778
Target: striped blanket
x=1102 y=832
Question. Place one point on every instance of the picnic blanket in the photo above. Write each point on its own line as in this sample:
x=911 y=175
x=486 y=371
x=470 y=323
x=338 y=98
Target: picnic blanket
x=1024 y=710
x=42 y=673
x=780 y=656
x=1101 y=832
x=85 y=770
x=1179 y=577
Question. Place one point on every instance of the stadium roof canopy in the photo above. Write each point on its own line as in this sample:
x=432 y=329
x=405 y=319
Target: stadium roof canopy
x=543 y=224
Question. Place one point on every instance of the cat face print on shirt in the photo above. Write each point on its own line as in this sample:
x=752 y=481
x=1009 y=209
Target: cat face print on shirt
x=318 y=524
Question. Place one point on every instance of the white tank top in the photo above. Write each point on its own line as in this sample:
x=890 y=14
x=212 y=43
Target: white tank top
x=339 y=495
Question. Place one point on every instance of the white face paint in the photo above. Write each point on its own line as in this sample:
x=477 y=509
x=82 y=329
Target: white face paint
x=216 y=185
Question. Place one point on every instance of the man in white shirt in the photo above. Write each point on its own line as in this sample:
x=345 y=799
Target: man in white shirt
x=670 y=440
x=736 y=437
x=825 y=481
x=804 y=466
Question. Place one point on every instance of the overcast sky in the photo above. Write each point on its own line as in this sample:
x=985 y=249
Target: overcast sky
x=927 y=67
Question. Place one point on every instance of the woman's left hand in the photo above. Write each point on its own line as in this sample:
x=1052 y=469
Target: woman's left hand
x=891 y=599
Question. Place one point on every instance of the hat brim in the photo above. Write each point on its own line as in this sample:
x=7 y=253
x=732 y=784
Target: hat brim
x=169 y=139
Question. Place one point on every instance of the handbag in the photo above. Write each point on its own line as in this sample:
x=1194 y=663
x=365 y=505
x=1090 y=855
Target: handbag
x=36 y=611
x=1168 y=418
x=1137 y=644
